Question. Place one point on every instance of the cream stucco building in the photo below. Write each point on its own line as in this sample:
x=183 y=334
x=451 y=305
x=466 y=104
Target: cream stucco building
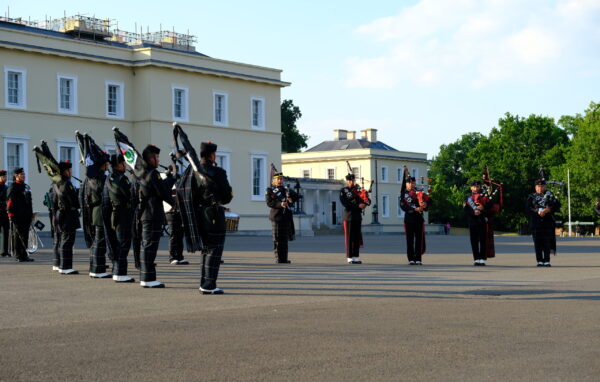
x=321 y=171
x=78 y=74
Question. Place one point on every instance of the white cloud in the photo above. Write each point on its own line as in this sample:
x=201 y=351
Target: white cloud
x=479 y=42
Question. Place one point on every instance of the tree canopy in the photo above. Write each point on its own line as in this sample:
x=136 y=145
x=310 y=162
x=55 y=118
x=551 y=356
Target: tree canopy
x=292 y=141
x=514 y=152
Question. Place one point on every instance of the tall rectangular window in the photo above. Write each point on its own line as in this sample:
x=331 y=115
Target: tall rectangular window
x=306 y=173
x=384 y=173
x=223 y=162
x=15 y=94
x=258 y=113
x=68 y=151
x=400 y=174
x=331 y=173
x=385 y=206
x=220 y=109
x=258 y=176
x=14 y=152
x=180 y=103
x=400 y=210
x=67 y=94
x=114 y=100
x=415 y=173
x=356 y=172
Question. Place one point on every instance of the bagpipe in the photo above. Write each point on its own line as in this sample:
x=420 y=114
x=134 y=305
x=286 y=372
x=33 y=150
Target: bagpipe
x=287 y=195
x=361 y=190
x=420 y=192
x=555 y=187
x=491 y=192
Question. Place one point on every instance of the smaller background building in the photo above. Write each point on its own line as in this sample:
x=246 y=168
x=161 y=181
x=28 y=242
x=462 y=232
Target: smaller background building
x=321 y=171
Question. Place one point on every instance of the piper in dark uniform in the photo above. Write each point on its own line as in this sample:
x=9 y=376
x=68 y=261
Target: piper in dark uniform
x=414 y=202
x=352 y=219
x=541 y=207
x=213 y=192
x=176 y=230
x=153 y=191
x=121 y=216
x=4 y=224
x=20 y=214
x=280 y=199
x=93 y=198
x=477 y=207
x=49 y=203
x=66 y=220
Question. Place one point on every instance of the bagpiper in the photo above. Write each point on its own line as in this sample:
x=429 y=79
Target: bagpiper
x=66 y=220
x=4 y=224
x=280 y=199
x=20 y=214
x=414 y=202
x=477 y=208
x=120 y=213
x=541 y=207
x=354 y=206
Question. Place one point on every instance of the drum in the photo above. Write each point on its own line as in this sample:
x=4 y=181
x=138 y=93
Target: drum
x=232 y=221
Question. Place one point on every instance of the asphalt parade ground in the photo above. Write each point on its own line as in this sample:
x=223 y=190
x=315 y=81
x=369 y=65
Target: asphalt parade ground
x=317 y=319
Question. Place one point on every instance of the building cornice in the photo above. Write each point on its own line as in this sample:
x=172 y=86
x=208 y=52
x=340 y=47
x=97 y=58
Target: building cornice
x=351 y=157
x=146 y=62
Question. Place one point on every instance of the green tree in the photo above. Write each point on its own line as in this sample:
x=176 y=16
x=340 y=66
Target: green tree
x=514 y=152
x=449 y=173
x=583 y=159
x=292 y=141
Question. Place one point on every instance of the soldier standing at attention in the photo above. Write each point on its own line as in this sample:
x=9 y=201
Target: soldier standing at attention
x=541 y=207
x=4 y=225
x=414 y=202
x=20 y=213
x=152 y=192
x=94 y=199
x=66 y=220
x=213 y=192
x=352 y=219
x=280 y=198
x=121 y=216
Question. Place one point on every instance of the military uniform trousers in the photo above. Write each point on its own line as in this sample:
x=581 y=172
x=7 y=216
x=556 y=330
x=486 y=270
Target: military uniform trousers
x=478 y=236
x=20 y=237
x=415 y=240
x=98 y=251
x=281 y=235
x=4 y=227
x=65 y=240
x=121 y=247
x=151 y=231
x=542 y=240
x=175 y=236
x=212 y=227
x=352 y=237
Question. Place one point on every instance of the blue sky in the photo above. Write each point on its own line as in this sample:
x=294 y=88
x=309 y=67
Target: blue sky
x=423 y=72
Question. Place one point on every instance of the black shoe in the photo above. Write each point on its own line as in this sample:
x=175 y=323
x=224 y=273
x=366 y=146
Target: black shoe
x=25 y=260
x=4 y=254
x=356 y=262
x=283 y=261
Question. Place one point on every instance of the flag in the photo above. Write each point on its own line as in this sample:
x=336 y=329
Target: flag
x=132 y=157
x=45 y=158
x=188 y=149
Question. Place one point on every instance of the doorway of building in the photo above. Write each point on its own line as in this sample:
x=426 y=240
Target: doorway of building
x=333 y=214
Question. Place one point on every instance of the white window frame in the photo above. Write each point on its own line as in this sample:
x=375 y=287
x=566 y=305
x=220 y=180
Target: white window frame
x=400 y=210
x=120 y=99
x=227 y=154
x=18 y=139
x=386 y=172
x=415 y=172
x=385 y=212
x=225 y=110
x=327 y=172
x=185 y=117
x=261 y=112
x=110 y=146
x=263 y=182
x=73 y=100
x=22 y=95
x=399 y=174
x=62 y=142
x=309 y=173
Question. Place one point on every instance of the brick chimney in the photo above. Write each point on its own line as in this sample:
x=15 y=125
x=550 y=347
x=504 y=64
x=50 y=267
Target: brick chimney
x=339 y=135
x=370 y=135
x=351 y=135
